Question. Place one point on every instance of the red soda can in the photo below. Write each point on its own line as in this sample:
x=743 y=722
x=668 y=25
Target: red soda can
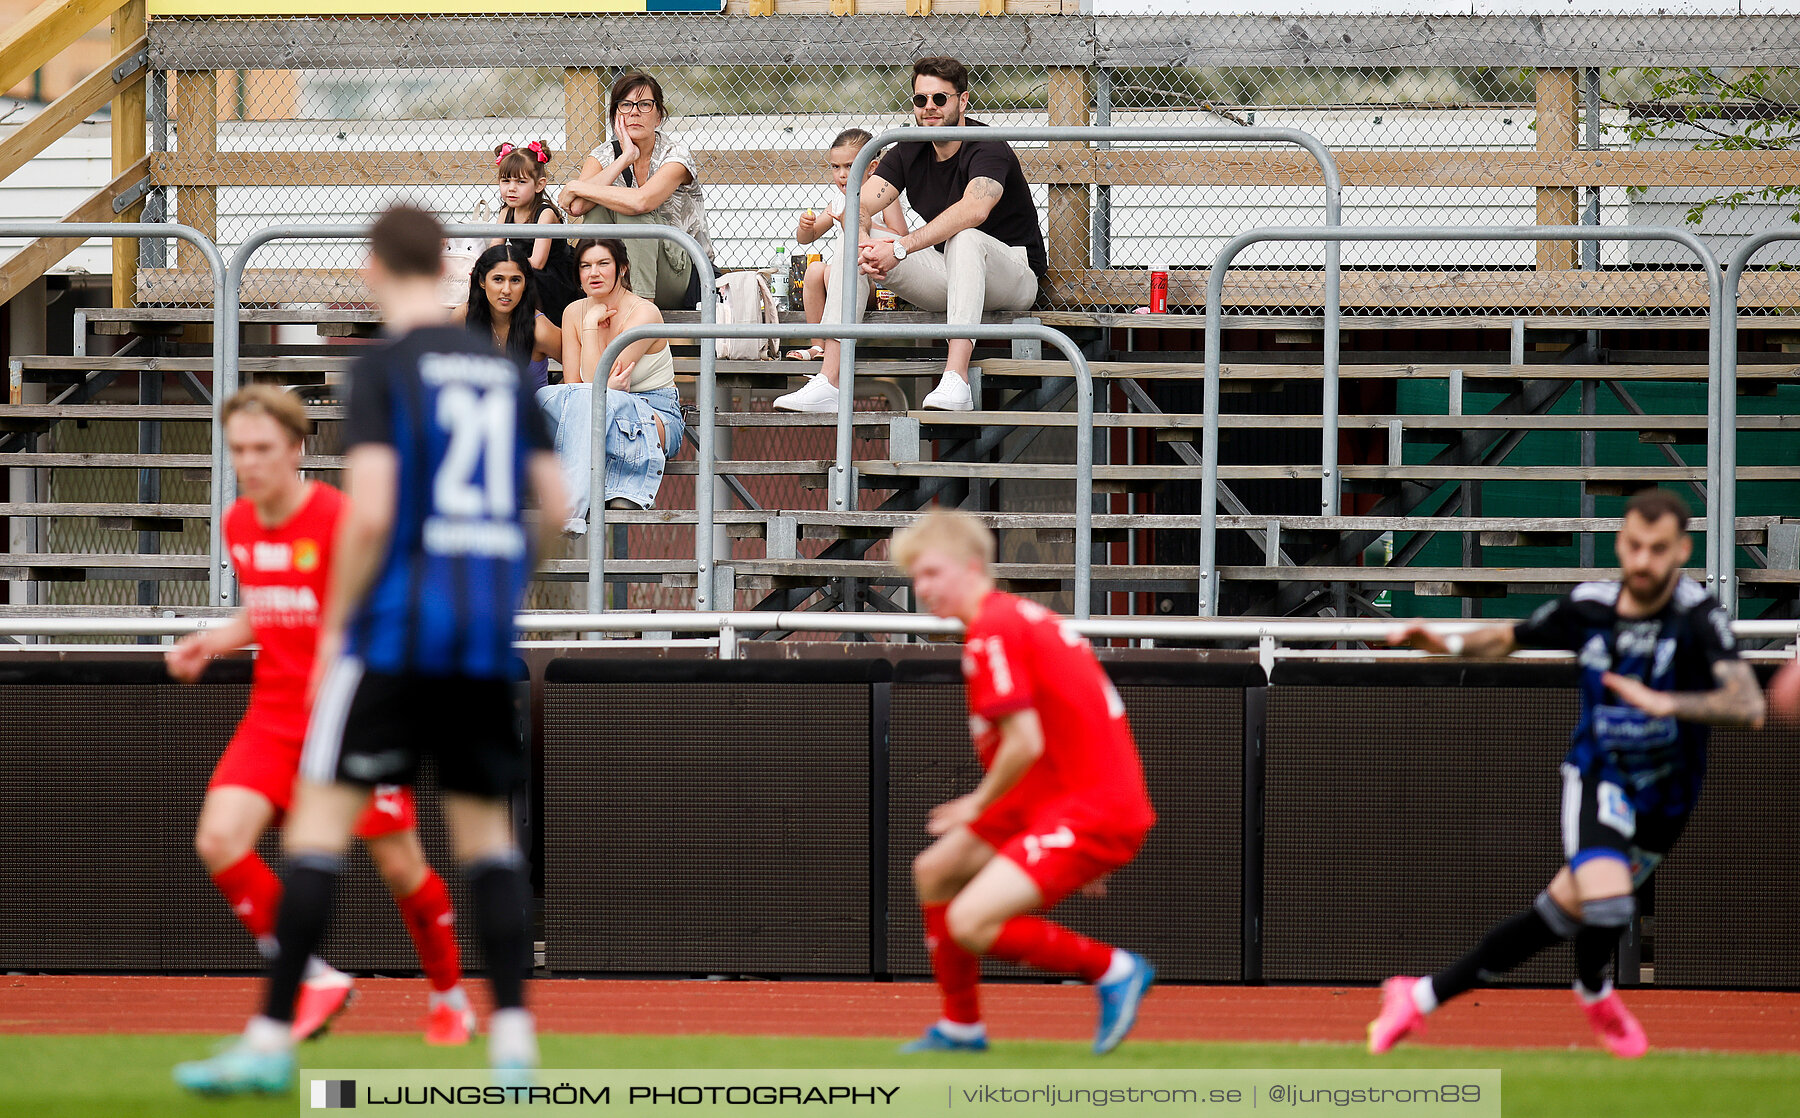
x=1159 y=289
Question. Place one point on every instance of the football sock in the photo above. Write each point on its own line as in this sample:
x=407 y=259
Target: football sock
x=1038 y=943
x=1119 y=969
x=455 y=997
x=265 y=1035
x=1603 y=922
x=1506 y=945
x=958 y=972
x=253 y=891
x=432 y=926
x=512 y=1038
x=502 y=897
x=308 y=893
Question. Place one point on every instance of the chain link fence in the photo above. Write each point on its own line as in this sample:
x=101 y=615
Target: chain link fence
x=1434 y=133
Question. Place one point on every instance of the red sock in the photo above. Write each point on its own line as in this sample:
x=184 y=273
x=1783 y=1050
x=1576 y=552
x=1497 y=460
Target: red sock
x=958 y=972
x=253 y=891
x=1051 y=947
x=433 y=929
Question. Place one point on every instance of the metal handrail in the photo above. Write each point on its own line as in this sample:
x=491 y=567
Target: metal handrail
x=1215 y=296
x=227 y=343
x=699 y=621
x=215 y=263
x=843 y=495
x=1084 y=447
x=1726 y=496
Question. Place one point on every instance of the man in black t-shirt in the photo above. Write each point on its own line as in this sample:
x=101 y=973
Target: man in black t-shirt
x=979 y=250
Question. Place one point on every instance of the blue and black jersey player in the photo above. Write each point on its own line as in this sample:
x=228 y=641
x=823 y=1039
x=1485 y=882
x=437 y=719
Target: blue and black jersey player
x=443 y=447
x=1658 y=669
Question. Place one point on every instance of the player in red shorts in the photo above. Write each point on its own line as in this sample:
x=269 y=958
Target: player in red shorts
x=280 y=535
x=1062 y=804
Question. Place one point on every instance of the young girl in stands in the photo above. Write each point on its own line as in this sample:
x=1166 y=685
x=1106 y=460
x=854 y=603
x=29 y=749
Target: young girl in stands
x=888 y=224
x=644 y=425
x=503 y=305
x=524 y=184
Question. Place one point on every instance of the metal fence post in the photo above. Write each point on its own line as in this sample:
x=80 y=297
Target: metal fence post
x=219 y=582
x=1084 y=393
x=843 y=492
x=1215 y=293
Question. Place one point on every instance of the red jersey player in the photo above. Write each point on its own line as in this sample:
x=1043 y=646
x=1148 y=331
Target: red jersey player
x=280 y=536
x=1061 y=806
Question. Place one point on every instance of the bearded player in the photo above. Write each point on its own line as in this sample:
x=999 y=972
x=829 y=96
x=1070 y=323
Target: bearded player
x=1061 y=806
x=1658 y=668
x=280 y=536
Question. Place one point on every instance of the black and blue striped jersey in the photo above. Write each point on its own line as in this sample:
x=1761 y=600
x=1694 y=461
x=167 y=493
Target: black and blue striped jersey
x=1659 y=762
x=463 y=423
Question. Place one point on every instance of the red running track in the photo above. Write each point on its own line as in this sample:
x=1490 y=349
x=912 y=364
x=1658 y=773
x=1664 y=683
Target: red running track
x=1723 y=1021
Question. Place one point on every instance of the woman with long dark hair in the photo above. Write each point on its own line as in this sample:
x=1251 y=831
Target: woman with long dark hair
x=502 y=295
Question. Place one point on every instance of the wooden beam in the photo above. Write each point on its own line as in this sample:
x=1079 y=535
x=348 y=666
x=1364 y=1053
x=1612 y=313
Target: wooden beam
x=67 y=111
x=1054 y=166
x=584 y=99
x=993 y=7
x=38 y=257
x=843 y=7
x=130 y=143
x=196 y=112
x=918 y=7
x=44 y=32
x=1452 y=41
x=618 y=39
x=1473 y=168
x=1282 y=42
x=1558 y=127
x=1066 y=238
x=1426 y=291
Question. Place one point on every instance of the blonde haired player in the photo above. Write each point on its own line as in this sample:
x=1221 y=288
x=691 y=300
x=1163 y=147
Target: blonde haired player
x=1061 y=806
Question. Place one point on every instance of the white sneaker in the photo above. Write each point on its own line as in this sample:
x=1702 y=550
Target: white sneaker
x=816 y=395
x=951 y=394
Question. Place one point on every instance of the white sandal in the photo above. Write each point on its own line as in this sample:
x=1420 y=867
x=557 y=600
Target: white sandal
x=810 y=353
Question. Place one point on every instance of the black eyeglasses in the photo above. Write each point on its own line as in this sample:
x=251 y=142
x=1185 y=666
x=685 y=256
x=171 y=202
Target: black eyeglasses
x=920 y=100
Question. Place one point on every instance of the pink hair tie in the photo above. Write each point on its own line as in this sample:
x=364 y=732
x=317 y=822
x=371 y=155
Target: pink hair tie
x=505 y=150
x=537 y=148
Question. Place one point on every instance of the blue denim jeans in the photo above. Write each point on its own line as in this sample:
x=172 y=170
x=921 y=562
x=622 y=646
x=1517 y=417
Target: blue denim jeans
x=634 y=460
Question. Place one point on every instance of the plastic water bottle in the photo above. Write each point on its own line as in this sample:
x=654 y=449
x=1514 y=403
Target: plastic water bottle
x=778 y=270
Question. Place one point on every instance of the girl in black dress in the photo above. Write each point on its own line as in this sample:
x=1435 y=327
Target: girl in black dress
x=524 y=181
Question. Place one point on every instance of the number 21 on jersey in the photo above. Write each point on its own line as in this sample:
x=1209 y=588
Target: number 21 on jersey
x=476 y=476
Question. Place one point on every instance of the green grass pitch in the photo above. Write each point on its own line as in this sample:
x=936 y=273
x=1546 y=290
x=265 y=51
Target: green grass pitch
x=127 y=1076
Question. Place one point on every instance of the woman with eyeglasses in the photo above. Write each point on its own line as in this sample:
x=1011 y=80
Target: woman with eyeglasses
x=642 y=176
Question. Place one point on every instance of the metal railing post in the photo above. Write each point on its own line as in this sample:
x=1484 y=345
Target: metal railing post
x=1725 y=497
x=843 y=491
x=1215 y=298
x=704 y=394
x=1084 y=392
x=218 y=581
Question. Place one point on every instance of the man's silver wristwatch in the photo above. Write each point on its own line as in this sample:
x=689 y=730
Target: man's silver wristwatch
x=899 y=250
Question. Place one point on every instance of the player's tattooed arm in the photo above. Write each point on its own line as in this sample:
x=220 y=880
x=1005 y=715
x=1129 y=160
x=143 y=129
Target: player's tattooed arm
x=1736 y=701
x=1490 y=642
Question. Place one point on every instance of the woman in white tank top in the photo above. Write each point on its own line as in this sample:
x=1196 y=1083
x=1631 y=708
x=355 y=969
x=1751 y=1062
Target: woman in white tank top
x=644 y=426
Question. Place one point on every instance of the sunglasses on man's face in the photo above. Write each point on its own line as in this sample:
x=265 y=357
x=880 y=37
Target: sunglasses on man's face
x=920 y=100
